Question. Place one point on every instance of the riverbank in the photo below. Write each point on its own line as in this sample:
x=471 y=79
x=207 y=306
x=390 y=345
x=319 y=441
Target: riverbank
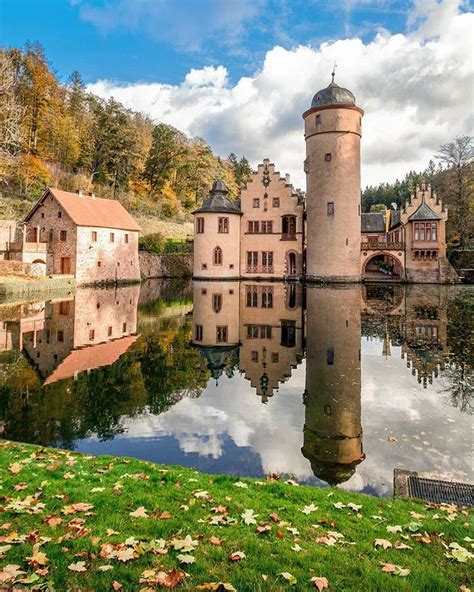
x=114 y=523
x=14 y=286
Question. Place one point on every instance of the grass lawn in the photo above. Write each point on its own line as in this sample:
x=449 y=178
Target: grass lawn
x=76 y=522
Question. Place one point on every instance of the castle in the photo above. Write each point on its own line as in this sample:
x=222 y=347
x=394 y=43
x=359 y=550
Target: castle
x=277 y=232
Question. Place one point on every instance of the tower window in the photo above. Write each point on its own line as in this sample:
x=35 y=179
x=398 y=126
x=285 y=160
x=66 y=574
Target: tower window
x=330 y=208
x=256 y=203
x=198 y=333
x=221 y=334
x=112 y=237
x=328 y=157
x=276 y=202
x=199 y=225
x=94 y=236
x=223 y=226
x=318 y=121
x=217 y=256
x=217 y=302
x=330 y=356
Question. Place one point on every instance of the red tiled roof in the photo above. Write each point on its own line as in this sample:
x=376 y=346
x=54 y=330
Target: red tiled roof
x=86 y=210
x=88 y=358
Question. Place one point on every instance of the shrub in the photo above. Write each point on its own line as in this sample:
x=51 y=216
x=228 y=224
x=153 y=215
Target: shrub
x=152 y=243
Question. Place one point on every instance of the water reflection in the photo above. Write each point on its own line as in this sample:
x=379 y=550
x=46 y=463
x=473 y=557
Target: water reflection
x=333 y=429
x=178 y=373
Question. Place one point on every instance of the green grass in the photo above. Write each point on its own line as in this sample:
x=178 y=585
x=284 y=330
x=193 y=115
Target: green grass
x=58 y=478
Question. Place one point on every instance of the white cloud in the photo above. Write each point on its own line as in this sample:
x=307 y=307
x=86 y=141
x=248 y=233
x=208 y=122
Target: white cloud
x=416 y=89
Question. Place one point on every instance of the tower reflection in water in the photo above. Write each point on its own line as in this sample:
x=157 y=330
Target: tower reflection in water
x=333 y=430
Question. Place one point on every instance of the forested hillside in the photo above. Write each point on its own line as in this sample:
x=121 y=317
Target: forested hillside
x=54 y=133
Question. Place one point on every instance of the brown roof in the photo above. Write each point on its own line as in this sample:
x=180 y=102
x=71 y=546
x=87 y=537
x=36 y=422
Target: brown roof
x=86 y=210
x=88 y=358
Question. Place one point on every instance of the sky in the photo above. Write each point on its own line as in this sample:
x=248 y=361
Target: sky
x=239 y=73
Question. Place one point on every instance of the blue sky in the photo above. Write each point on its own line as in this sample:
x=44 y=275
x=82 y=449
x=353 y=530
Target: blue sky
x=168 y=38
x=239 y=73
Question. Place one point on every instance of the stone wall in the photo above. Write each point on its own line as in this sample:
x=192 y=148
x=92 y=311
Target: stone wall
x=7 y=236
x=109 y=255
x=167 y=265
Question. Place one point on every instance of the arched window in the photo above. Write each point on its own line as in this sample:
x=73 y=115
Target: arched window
x=217 y=256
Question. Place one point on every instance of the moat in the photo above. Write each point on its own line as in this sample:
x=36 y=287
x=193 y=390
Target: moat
x=335 y=385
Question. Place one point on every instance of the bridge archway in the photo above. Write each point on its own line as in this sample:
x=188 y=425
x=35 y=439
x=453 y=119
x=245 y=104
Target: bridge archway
x=38 y=267
x=382 y=266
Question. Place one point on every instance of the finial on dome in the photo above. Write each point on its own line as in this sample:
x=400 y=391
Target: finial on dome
x=333 y=73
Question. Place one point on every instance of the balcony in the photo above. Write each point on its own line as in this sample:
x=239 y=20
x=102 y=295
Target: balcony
x=259 y=269
x=382 y=246
x=424 y=245
x=29 y=247
x=288 y=236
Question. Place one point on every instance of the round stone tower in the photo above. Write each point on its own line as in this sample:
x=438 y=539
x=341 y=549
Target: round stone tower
x=332 y=166
x=217 y=236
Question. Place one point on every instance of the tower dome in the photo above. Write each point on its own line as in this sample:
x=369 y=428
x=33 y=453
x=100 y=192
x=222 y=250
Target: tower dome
x=333 y=95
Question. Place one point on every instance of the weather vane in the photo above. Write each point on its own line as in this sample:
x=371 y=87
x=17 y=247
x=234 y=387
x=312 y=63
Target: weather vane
x=333 y=73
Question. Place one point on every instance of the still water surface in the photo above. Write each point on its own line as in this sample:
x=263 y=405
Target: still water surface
x=329 y=385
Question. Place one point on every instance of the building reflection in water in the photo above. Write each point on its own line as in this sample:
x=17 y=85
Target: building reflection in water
x=333 y=430
x=64 y=338
x=254 y=326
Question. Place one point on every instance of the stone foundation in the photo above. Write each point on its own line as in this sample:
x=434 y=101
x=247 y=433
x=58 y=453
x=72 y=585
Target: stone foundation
x=166 y=265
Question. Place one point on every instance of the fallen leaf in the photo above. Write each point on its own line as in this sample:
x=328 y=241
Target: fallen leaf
x=105 y=567
x=217 y=587
x=165 y=579
x=241 y=484
x=308 y=509
x=184 y=558
x=396 y=570
x=290 y=578
x=296 y=548
x=391 y=439
x=237 y=556
x=249 y=516
x=320 y=583
x=263 y=528
x=215 y=541
x=10 y=573
x=394 y=529
x=117 y=585
x=354 y=507
x=15 y=468
x=399 y=545
x=382 y=543
x=79 y=566
x=140 y=512
x=275 y=517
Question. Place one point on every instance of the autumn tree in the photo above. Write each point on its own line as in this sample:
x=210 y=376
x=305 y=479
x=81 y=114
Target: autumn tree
x=457 y=185
x=167 y=148
x=11 y=115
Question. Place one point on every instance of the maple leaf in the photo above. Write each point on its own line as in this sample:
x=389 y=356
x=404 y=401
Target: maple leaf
x=165 y=579
x=202 y=494
x=394 y=529
x=140 y=512
x=124 y=554
x=241 y=484
x=215 y=541
x=296 y=548
x=459 y=553
x=20 y=486
x=249 y=516
x=38 y=558
x=105 y=567
x=79 y=566
x=263 y=528
x=396 y=570
x=382 y=543
x=217 y=587
x=164 y=515
x=354 y=507
x=290 y=578
x=184 y=558
x=416 y=515
x=308 y=509
x=15 y=468
x=320 y=583
x=186 y=545
x=110 y=532
x=237 y=556
x=275 y=517
x=399 y=545
x=116 y=585
x=9 y=573
x=339 y=505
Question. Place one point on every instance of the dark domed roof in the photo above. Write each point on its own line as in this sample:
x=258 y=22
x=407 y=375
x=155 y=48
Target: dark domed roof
x=218 y=200
x=333 y=95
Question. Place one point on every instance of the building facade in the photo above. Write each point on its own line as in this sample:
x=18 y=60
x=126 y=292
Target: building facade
x=276 y=232
x=94 y=240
